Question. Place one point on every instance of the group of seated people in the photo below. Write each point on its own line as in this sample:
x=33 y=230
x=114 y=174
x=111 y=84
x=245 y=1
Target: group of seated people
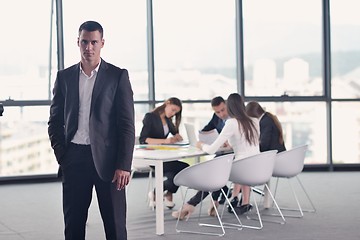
x=248 y=130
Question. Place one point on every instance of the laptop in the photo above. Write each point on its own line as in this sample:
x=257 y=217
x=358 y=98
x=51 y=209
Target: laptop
x=190 y=131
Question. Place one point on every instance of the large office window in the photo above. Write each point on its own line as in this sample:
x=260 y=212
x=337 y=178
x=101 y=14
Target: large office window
x=24 y=142
x=194 y=48
x=195 y=57
x=302 y=123
x=283 y=57
x=28 y=62
x=345 y=82
x=124 y=24
x=345 y=48
x=26 y=40
x=125 y=28
x=282 y=48
x=346 y=132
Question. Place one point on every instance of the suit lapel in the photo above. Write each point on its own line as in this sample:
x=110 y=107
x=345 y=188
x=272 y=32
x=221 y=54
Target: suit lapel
x=73 y=93
x=74 y=86
x=99 y=83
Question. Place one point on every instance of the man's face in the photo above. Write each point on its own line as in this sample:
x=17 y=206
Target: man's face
x=90 y=44
x=221 y=111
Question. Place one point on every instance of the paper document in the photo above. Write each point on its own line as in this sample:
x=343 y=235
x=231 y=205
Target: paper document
x=208 y=137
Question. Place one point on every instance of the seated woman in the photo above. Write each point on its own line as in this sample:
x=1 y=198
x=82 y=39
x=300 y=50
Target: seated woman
x=242 y=133
x=157 y=125
x=271 y=133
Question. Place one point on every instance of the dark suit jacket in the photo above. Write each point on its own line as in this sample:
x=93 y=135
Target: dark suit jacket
x=112 y=131
x=153 y=127
x=215 y=123
x=269 y=135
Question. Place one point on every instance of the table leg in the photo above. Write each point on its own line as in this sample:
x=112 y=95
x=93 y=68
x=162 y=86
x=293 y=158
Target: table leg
x=159 y=197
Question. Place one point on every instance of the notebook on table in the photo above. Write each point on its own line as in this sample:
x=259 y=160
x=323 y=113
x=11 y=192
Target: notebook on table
x=180 y=143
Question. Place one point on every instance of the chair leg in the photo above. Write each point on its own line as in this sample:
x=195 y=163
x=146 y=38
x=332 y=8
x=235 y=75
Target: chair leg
x=238 y=225
x=307 y=196
x=221 y=225
x=181 y=192
x=149 y=188
x=258 y=191
x=130 y=178
x=299 y=208
x=149 y=185
x=277 y=206
x=259 y=218
x=297 y=202
x=241 y=225
x=218 y=217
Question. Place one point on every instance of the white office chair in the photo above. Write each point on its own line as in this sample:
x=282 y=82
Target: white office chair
x=255 y=171
x=142 y=168
x=209 y=176
x=289 y=164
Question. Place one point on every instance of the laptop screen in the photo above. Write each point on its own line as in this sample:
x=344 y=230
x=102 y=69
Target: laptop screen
x=190 y=131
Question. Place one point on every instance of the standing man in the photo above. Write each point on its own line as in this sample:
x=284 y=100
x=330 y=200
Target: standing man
x=91 y=129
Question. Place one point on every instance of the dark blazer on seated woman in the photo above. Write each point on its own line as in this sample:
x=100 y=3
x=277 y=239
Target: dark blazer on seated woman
x=269 y=135
x=157 y=125
x=153 y=127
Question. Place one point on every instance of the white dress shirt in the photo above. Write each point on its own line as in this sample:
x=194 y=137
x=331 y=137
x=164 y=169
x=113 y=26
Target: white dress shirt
x=86 y=85
x=166 y=129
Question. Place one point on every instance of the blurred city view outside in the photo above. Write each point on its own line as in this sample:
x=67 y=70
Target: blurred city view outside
x=295 y=71
x=25 y=148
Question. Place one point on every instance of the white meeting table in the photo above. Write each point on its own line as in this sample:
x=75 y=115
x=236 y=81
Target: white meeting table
x=156 y=155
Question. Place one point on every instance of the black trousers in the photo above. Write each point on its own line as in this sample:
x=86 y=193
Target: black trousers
x=199 y=196
x=79 y=178
x=170 y=169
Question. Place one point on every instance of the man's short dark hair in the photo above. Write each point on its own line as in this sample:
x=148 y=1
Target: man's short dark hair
x=91 y=26
x=216 y=101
